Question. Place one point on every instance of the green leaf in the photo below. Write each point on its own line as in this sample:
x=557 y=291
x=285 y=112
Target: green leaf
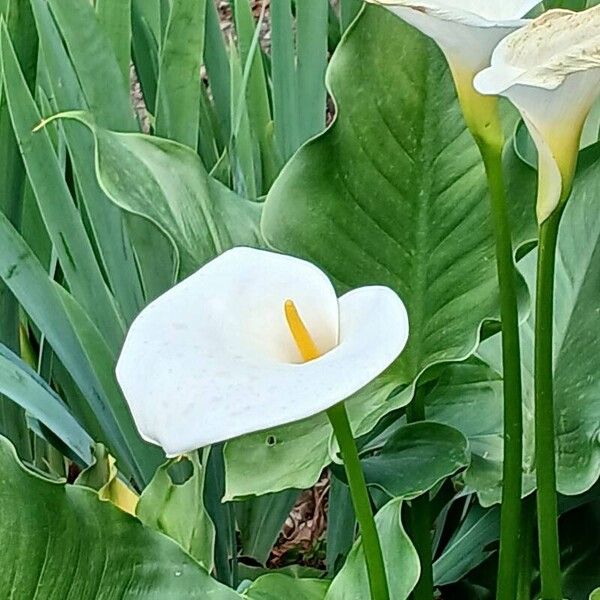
x=579 y=553
x=260 y=520
x=470 y=544
x=217 y=67
x=139 y=456
x=256 y=91
x=400 y=558
x=61 y=541
x=569 y=4
x=312 y=30
x=24 y=386
x=166 y=183
x=394 y=192
x=242 y=148
x=115 y=18
x=20 y=24
x=37 y=294
x=285 y=83
x=144 y=23
x=175 y=506
x=576 y=339
x=468 y=396
x=178 y=92
x=348 y=11
x=98 y=69
x=341 y=525
x=61 y=218
x=106 y=220
x=293 y=456
x=275 y=586
x=415 y=458
x=108 y=97
x=595 y=595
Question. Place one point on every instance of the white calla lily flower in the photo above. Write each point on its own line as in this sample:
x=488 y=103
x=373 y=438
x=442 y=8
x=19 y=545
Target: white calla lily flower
x=467 y=31
x=550 y=70
x=221 y=354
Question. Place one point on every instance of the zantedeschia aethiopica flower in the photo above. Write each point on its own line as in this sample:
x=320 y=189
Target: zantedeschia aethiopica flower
x=550 y=70
x=217 y=356
x=467 y=31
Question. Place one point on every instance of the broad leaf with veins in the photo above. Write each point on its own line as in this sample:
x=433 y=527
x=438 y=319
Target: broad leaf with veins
x=393 y=193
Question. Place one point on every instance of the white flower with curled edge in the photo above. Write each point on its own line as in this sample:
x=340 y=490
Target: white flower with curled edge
x=252 y=340
x=467 y=31
x=550 y=70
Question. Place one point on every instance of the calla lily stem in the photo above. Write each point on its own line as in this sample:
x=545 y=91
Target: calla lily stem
x=362 y=505
x=510 y=516
x=544 y=412
x=526 y=549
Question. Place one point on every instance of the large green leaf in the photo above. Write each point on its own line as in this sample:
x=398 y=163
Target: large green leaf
x=577 y=335
x=61 y=542
x=415 y=458
x=400 y=558
x=175 y=506
x=394 y=192
x=468 y=396
x=166 y=183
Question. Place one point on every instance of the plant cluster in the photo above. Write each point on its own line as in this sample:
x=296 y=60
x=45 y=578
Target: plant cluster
x=250 y=248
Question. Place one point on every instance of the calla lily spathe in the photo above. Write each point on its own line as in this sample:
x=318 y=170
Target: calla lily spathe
x=467 y=31
x=214 y=358
x=550 y=70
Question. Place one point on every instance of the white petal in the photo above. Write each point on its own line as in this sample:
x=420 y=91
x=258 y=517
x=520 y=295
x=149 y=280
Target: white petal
x=232 y=306
x=550 y=70
x=471 y=12
x=545 y=52
x=466 y=30
x=213 y=358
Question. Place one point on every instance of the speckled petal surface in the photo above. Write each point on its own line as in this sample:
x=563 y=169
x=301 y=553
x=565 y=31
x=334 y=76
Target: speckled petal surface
x=213 y=357
x=550 y=70
x=466 y=30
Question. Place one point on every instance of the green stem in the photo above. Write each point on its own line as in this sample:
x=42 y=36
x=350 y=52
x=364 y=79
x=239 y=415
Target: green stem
x=510 y=516
x=526 y=549
x=420 y=517
x=360 y=499
x=544 y=412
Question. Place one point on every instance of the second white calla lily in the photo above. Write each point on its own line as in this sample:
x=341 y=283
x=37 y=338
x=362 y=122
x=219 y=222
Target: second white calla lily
x=550 y=70
x=215 y=357
x=467 y=31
